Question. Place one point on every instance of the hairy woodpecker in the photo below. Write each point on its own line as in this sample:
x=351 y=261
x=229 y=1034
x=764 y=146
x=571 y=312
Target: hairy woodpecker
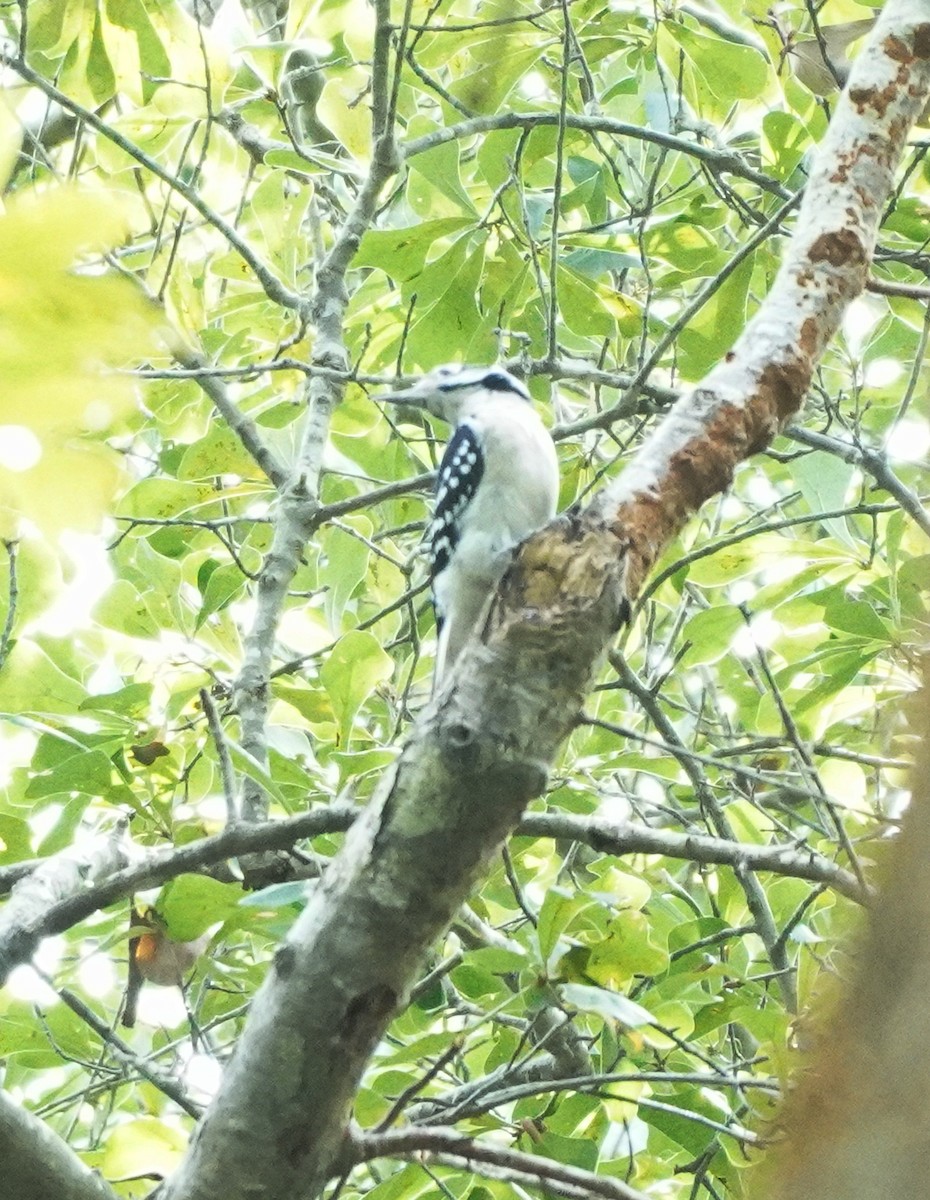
x=498 y=482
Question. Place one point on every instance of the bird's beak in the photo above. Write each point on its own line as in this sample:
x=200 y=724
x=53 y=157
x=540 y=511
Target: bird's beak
x=413 y=396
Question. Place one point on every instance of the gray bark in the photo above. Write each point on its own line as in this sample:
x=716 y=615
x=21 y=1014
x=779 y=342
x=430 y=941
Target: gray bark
x=38 y=1165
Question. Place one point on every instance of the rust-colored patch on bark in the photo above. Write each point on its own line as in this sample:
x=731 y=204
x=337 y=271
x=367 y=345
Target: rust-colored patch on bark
x=896 y=49
x=782 y=385
x=839 y=247
x=903 y=53
x=644 y=525
x=867 y=97
x=809 y=339
x=703 y=467
x=567 y=569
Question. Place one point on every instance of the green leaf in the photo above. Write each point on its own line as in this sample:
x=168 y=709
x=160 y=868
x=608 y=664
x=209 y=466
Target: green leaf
x=100 y=74
x=224 y=585
x=603 y=1003
x=580 y=1152
x=727 y=69
x=788 y=141
x=402 y=253
x=248 y=765
x=344 y=566
x=437 y=169
x=277 y=895
x=714 y=329
x=824 y=480
x=856 y=617
x=596 y=262
x=131 y=700
x=559 y=908
x=442 y=327
x=32 y=682
x=353 y=669
x=144 y=1147
x=124 y=609
x=190 y=904
x=90 y=772
x=15 y=839
x=709 y=634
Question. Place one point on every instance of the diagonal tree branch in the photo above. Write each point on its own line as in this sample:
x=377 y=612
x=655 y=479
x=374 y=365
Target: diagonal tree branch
x=718 y=160
x=482 y=747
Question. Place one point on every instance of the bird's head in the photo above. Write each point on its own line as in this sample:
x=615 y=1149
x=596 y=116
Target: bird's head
x=446 y=390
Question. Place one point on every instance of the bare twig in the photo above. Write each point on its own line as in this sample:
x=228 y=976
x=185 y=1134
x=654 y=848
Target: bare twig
x=273 y=287
x=448 y=1145
x=227 y=773
x=12 y=596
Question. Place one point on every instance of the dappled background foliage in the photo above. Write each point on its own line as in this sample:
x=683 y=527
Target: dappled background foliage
x=598 y=195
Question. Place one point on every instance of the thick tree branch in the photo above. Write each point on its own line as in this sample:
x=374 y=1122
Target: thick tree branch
x=55 y=881
x=58 y=895
x=74 y=897
x=622 y=837
x=37 y=1164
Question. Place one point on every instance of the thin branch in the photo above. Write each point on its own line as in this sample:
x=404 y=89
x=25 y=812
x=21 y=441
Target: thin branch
x=12 y=597
x=621 y=838
x=874 y=463
x=196 y=367
x=720 y=160
x=273 y=287
x=475 y=1097
x=227 y=773
x=448 y=1145
x=756 y=899
x=417 y=1086
x=551 y=332
x=704 y=295
x=741 y=535
x=299 y=511
x=125 y=1053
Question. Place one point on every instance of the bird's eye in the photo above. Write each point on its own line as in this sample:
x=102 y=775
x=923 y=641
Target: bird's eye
x=448 y=369
x=501 y=381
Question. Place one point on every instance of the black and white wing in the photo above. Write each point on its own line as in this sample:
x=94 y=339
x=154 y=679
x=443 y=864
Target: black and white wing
x=456 y=484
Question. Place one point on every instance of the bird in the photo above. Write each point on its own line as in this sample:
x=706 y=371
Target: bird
x=498 y=482
x=156 y=958
x=822 y=64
